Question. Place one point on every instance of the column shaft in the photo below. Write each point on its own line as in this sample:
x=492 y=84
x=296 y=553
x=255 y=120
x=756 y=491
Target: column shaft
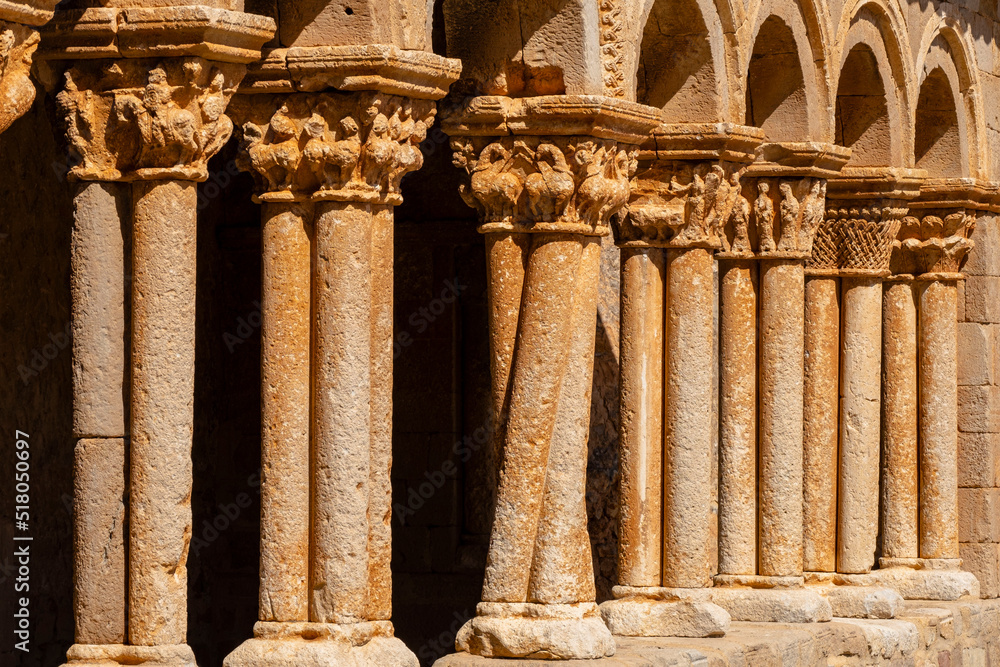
x=380 y=503
x=687 y=473
x=341 y=422
x=900 y=476
x=860 y=426
x=543 y=345
x=97 y=284
x=780 y=441
x=285 y=331
x=162 y=408
x=938 y=334
x=641 y=441
x=738 y=417
x=563 y=569
x=821 y=424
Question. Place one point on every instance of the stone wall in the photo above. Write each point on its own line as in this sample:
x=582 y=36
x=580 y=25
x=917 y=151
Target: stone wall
x=979 y=410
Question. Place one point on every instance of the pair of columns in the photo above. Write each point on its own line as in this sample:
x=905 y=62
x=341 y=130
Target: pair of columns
x=328 y=166
x=920 y=551
x=545 y=185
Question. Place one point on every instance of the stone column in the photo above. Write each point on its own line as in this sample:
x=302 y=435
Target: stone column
x=864 y=207
x=920 y=496
x=775 y=224
x=141 y=132
x=678 y=204
x=328 y=166
x=545 y=196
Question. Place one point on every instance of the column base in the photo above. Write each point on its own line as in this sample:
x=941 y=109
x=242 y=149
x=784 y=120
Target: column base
x=541 y=631
x=664 y=612
x=927 y=578
x=366 y=644
x=114 y=655
x=763 y=599
x=856 y=595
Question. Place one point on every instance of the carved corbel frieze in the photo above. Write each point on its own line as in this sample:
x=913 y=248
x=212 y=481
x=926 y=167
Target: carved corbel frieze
x=144 y=119
x=333 y=146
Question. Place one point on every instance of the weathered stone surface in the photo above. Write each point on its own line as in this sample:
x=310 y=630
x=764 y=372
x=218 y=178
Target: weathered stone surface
x=773 y=605
x=638 y=617
x=162 y=409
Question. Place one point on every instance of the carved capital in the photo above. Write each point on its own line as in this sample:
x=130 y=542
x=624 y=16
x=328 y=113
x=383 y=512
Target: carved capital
x=17 y=46
x=147 y=119
x=682 y=204
x=933 y=243
x=858 y=240
x=771 y=217
x=332 y=146
x=569 y=184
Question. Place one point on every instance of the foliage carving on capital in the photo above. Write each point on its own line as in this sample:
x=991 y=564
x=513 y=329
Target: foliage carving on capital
x=334 y=146
x=934 y=243
x=558 y=184
x=145 y=119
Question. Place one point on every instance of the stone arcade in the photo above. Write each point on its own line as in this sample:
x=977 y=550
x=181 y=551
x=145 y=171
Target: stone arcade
x=793 y=205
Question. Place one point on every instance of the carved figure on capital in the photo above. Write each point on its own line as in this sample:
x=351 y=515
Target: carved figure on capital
x=681 y=204
x=338 y=146
x=141 y=119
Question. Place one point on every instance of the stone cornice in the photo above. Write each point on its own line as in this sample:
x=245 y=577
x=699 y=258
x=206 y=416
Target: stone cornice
x=31 y=13
x=951 y=193
x=143 y=32
x=799 y=160
x=702 y=141
x=552 y=115
x=375 y=67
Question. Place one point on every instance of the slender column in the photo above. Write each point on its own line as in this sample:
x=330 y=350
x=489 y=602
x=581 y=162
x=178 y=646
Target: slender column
x=285 y=363
x=687 y=419
x=859 y=424
x=538 y=592
x=97 y=284
x=738 y=417
x=820 y=423
x=938 y=393
x=162 y=410
x=781 y=383
x=900 y=476
x=643 y=273
x=380 y=503
x=341 y=433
